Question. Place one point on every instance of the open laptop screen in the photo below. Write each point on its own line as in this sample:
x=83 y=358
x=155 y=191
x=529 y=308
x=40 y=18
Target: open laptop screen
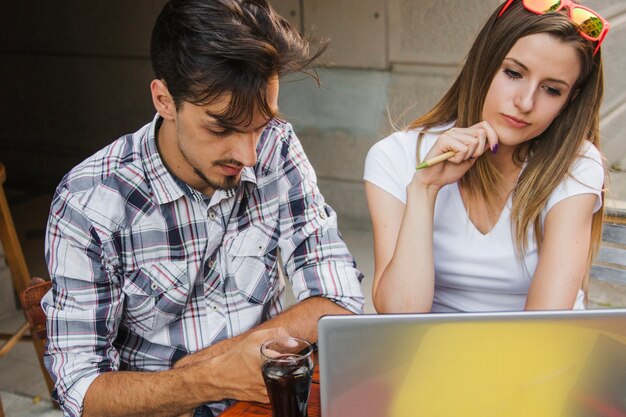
x=487 y=364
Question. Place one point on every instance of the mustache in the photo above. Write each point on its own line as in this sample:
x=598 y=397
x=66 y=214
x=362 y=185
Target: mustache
x=231 y=162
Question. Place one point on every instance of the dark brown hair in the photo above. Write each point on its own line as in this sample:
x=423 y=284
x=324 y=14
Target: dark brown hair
x=202 y=49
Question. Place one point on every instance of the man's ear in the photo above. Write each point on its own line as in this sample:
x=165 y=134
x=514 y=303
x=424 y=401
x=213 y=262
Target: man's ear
x=162 y=100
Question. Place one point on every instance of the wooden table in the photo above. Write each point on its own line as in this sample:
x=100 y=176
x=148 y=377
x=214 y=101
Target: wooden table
x=248 y=409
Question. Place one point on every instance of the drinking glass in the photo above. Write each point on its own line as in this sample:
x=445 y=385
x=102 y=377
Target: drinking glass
x=287 y=371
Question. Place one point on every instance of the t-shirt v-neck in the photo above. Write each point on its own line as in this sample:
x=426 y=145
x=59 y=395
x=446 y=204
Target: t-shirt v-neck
x=504 y=213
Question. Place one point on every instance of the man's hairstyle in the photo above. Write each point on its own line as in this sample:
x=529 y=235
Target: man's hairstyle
x=202 y=49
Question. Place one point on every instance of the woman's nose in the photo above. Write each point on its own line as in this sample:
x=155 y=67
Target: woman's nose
x=525 y=99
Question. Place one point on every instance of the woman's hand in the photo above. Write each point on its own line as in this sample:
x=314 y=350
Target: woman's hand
x=468 y=143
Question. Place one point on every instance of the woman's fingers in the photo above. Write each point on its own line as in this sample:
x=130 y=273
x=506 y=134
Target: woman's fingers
x=468 y=143
x=491 y=135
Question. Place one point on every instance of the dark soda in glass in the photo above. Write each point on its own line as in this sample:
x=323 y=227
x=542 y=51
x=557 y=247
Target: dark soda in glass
x=288 y=381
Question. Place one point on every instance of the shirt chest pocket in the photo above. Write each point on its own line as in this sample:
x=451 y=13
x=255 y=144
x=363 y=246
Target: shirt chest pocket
x=155 y=295
x=252 y=267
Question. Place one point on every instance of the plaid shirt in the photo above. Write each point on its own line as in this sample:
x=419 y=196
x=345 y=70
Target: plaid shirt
x=146 y=270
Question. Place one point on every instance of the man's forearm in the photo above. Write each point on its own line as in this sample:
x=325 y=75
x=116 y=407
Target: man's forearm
x=165 y=393
x=301 y=319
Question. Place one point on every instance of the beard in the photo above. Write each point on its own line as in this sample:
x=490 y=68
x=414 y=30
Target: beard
x=219 y=183
x=227 y=183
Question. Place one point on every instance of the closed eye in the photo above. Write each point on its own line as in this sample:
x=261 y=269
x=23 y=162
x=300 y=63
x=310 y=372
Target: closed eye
x=555 y=92
x=512 y=74
x=220 y=133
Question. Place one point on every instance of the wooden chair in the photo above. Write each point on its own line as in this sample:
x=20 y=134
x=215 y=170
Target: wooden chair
x=31 y=303
x=20 y=276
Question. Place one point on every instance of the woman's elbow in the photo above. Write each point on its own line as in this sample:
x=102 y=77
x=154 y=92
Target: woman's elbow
x=398 y=305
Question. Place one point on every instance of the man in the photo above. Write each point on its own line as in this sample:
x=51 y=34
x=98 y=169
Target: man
x=163 y=247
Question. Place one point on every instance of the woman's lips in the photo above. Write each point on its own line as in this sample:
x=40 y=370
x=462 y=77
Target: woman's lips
x=514 y=121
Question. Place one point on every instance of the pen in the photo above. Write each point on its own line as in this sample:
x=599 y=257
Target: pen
x=436 y=160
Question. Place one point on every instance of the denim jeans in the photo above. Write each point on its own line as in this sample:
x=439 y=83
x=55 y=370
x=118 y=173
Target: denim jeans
x=203 y=411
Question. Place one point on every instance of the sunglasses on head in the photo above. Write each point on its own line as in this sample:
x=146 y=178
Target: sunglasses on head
x=591 y=25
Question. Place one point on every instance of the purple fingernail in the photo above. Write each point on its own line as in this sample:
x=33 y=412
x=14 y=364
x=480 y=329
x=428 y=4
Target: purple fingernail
x=494 y=149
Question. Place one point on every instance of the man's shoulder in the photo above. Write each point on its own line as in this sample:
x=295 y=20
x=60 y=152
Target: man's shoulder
x=277 y=131
x=120 y=155
x=105 y=183
x=274 y=145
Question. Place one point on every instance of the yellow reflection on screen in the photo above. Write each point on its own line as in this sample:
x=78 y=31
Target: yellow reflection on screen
x=494 y=369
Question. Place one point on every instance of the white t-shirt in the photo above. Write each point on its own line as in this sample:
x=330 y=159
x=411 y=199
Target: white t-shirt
x=475 y=272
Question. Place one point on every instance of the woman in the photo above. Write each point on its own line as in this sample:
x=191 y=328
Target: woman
x=511 y=221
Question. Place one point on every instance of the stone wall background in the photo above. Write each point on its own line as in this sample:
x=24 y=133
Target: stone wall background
x=75 y=75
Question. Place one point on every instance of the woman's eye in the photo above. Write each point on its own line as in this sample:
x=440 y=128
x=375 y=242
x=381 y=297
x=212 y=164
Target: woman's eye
x=512 y=74
x=553 y=91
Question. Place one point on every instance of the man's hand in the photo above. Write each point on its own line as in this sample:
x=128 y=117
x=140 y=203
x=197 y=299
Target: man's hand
x=237 y=372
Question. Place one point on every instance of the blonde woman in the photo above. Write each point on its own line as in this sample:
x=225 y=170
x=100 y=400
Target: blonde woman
x=511 y=221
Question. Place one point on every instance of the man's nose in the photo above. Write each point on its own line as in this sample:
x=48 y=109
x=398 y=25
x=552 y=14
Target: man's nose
x=246 y=148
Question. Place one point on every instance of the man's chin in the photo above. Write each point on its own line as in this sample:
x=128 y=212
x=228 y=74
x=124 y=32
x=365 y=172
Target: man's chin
x=230 y=182
x=220 y=183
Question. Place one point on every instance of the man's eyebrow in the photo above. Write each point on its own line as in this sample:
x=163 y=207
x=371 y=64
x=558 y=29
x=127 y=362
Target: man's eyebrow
x=555 y=80
x=226 y=125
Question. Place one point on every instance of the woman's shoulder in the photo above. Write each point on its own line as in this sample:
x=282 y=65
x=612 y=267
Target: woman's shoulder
x=405 y=141
x=396 y=150
x=390 y=163
x=399 y=141
x=589 y=151
x=589 y=162
x=586 y=176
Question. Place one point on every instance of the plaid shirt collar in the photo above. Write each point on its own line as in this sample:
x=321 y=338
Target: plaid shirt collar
x=165 y=186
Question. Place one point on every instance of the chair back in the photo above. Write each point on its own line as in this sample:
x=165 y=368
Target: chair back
x=10 y=242
x=20 y=276
x=31 y=303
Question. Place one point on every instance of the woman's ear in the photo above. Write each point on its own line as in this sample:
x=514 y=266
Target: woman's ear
x=162 y=100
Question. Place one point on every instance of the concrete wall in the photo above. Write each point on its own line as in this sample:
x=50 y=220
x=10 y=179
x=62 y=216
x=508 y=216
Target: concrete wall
x=426 y=40
x=75 y=75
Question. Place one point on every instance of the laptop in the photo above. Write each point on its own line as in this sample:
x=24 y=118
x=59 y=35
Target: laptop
x=570 y=364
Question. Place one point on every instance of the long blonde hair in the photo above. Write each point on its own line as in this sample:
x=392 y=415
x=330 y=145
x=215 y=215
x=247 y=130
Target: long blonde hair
x=548 y=157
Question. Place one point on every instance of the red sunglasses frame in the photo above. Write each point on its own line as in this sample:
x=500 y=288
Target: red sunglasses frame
x=570 y=5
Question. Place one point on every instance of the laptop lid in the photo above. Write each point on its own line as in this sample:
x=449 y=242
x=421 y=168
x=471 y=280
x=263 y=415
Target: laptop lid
x=487 y=364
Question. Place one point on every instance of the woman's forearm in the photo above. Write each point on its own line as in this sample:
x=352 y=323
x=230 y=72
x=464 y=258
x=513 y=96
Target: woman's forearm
x=407 y=283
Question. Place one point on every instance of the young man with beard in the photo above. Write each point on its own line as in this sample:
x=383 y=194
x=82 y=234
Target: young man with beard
x=163 y=247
